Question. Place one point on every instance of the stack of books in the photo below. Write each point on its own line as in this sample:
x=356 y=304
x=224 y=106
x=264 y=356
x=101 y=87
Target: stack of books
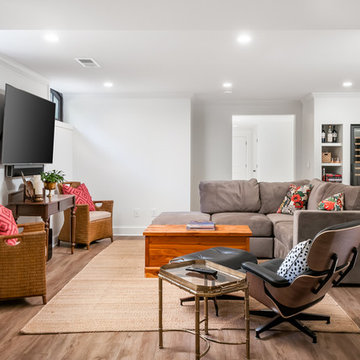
x=333 y=178
x=200 y=225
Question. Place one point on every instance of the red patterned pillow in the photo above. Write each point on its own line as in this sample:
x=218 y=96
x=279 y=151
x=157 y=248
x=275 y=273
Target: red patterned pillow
x=8 y=225
x=82 y=195
x=295 y=199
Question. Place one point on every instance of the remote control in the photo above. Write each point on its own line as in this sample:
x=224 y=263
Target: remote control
x=202 y=271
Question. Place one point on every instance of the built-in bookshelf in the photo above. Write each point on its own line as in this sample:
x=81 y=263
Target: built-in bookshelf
x=332 y=152
x=355 y=155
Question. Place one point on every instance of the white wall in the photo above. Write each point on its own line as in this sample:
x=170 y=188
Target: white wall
x=275 y=145
x=211 y=139
x=134 y=151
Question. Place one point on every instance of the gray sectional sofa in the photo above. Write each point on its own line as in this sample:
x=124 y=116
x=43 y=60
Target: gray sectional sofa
x=253 y=203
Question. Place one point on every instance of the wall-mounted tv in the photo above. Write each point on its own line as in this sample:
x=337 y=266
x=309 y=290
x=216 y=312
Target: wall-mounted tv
x=28 y=128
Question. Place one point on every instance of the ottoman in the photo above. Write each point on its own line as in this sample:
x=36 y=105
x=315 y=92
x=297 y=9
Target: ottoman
x=231 y=258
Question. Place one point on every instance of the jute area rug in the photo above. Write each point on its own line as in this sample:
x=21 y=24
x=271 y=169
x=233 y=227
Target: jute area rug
x=111 y=294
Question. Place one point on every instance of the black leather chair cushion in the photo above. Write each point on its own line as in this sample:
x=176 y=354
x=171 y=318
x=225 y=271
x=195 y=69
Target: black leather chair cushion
x=229 y=257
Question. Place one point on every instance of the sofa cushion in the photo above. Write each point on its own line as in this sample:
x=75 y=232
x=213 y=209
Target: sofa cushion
x=228 y=196
x=316 y=194
x=323 y=190
x=272 y=194
x=262 y=247
x=351 y=195
x=259 y=224
x=276 y=218
x=283 y=231
x=180 y=217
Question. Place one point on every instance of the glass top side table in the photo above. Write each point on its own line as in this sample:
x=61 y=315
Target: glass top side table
x=204 y=286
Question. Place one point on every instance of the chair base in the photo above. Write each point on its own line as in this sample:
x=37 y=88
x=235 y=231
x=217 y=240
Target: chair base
x=294 y=321
x=214 y=299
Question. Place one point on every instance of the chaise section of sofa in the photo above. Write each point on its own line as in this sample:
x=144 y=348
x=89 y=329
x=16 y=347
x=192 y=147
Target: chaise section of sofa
x=248 y=202
x=180 y=217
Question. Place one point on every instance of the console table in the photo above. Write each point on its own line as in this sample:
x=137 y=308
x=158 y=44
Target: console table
x=44 y=209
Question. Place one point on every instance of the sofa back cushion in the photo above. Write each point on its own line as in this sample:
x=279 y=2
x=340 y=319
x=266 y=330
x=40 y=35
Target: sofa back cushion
x=229 y=196
x=323 y=190
x=272 y=194
x=316 y=194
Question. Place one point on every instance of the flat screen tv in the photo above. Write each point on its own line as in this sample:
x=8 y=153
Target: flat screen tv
x=28 y=128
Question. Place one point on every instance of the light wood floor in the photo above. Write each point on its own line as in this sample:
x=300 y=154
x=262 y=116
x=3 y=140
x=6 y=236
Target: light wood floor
x=62 y=267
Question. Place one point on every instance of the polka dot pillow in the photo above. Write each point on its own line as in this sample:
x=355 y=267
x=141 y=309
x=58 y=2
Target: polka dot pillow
x=295 y=262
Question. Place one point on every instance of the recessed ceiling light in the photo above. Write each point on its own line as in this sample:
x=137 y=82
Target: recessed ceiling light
x=227 y=85
x=244 y=39
x=108 y=84
x=347 y=84
x=51 y=37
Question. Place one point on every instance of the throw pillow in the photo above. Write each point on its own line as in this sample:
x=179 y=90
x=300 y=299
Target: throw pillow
x=295 y=262
x=82 y=195
x=8 y=225
x=332 y=203
x=295 y=199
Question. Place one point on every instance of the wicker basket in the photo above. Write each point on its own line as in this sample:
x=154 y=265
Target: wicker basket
x=326 y=157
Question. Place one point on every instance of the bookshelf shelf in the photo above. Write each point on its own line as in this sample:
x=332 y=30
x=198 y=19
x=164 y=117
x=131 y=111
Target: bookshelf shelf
x=334 y=151
x=331 y=164
x=331 y=144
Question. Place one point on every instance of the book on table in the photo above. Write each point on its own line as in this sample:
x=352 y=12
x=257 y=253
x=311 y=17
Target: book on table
x=200 y=225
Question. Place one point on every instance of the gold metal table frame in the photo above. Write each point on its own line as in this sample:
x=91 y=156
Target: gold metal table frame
x=232 y=281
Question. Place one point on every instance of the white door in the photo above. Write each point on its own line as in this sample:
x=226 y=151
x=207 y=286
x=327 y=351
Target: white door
x=240 y=154
x=270 y=151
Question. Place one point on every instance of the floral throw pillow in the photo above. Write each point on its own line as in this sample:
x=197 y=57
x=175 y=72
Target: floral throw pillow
x=295 y=199
x=295 y=262
x=332 y=203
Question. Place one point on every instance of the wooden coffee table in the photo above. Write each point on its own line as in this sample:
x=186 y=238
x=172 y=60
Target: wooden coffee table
x=164 y=242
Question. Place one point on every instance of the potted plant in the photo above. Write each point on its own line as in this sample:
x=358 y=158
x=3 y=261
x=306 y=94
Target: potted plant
x=51 y=178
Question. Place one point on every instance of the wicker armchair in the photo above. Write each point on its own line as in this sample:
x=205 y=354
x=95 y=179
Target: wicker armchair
x=22 y=267
x=90 y=225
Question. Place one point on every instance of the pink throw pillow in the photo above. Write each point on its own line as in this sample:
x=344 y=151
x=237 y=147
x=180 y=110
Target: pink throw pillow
x=82 y=195
x=8 y=225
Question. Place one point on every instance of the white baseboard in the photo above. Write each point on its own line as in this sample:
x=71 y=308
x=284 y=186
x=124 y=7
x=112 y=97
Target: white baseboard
x=128 y=230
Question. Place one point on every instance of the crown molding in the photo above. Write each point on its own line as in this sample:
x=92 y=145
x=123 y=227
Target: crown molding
x=22 y=70
x=349 y=94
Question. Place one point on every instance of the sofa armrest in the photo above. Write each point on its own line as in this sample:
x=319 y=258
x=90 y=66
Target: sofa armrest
x=104 y=205
x=307 y=223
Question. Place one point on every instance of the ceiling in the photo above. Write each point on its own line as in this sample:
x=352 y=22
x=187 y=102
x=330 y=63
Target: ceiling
x=188 y=47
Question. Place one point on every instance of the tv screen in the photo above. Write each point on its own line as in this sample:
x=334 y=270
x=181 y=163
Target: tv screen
x=28 y=128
